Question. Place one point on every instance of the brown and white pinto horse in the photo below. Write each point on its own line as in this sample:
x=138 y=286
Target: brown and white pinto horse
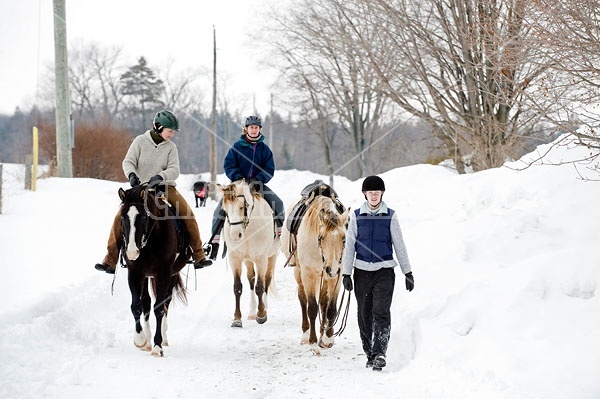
x=150 y=251
x=249 y=234
x=319 y=245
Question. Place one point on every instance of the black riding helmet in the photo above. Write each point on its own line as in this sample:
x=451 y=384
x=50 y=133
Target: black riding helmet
x=165 y=119
x=253 y=120
x=373 y=183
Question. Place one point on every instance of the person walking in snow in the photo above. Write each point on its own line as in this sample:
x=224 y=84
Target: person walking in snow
x=249 y=158
x=153 y=158
x=373 y=234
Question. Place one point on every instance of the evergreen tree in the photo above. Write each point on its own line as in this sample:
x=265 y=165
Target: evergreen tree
x=142 y=90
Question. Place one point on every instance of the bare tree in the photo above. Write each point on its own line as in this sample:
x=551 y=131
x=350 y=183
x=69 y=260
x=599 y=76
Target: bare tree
x=321 y=62
x=463 y=66
x=94 y=73
x=572 y=30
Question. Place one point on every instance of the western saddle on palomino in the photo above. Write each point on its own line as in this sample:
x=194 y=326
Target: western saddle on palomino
x=308 y=194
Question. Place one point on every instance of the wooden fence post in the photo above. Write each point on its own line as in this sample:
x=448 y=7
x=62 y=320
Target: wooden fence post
x=28 y=167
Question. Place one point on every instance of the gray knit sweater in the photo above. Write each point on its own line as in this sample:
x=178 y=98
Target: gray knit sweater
x=349 y=260
x=146 y=158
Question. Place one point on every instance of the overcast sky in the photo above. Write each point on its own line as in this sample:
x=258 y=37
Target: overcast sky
x=177 y=29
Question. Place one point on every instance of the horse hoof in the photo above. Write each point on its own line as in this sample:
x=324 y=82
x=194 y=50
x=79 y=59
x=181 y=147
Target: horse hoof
x=236 y=323
x=157 y=351
x=261 y=320
x=325 y=345
x=140 y=345
x=252 y=317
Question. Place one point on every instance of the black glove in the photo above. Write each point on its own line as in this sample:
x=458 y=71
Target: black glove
x=133 y=179
x=154 y=180
x=347 y=281
x=410 y=281
x=256 y=185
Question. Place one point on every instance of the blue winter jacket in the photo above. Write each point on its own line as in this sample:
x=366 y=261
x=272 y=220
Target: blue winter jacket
x=249 y=161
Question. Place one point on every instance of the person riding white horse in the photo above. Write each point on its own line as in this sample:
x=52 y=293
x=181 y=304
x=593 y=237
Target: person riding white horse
x=249 y=158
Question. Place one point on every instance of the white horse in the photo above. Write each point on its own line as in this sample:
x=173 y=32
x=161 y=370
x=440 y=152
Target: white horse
x=249 y=234
x=318 y=245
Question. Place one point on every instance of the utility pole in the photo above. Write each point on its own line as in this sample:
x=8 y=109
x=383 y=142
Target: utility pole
x=64 y=157
x=213 y=122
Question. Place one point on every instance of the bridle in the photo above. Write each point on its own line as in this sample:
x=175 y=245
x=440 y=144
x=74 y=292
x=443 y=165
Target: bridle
x=320 y=245
x=246 y=219
x=147 y=221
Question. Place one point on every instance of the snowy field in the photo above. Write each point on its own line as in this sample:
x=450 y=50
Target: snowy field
x=506 y=266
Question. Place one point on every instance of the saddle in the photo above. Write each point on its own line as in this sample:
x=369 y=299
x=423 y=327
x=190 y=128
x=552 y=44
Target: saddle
x=309 y=193
x=183 y=240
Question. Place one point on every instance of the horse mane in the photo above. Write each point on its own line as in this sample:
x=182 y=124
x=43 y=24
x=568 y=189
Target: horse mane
x=330 y=220
x=230 y=192
x=140 y=195
x=133 y=195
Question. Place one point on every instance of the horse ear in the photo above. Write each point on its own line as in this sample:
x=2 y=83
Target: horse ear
x=121 y=194
x=143 y=194
x=345 y=217
x=220 y=189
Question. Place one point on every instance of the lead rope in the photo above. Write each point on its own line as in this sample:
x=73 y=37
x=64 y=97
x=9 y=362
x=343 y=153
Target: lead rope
x=344 y=319
x=122 y=262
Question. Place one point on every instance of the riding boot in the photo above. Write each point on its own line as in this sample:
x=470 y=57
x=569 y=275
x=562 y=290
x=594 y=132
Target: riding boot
x=184 y=211
x=109 y=262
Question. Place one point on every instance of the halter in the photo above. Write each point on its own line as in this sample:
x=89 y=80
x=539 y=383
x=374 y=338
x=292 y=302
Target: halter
x=246 y=219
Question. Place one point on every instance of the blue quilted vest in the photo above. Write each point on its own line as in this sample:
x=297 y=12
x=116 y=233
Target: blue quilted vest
x=374 y=240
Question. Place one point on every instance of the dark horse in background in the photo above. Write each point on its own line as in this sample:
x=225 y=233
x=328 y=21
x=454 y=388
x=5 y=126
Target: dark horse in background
x=151 y=252
x=201 y=192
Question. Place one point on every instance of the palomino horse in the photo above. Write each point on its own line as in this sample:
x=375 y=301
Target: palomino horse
x=150 y=249
x=318 y=246
x=250 y=237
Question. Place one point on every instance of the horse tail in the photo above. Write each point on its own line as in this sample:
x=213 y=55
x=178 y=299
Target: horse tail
x=178 y=287
x=180 y=290
x=273 y=289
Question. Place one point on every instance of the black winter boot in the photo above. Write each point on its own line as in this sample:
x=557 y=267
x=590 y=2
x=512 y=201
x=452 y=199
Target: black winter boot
x=103 y=267
x=379 y=362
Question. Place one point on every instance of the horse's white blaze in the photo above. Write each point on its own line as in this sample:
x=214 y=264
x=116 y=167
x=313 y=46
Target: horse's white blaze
x=132 y=250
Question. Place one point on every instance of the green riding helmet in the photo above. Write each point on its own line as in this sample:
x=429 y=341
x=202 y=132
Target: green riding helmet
x=165 y=119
